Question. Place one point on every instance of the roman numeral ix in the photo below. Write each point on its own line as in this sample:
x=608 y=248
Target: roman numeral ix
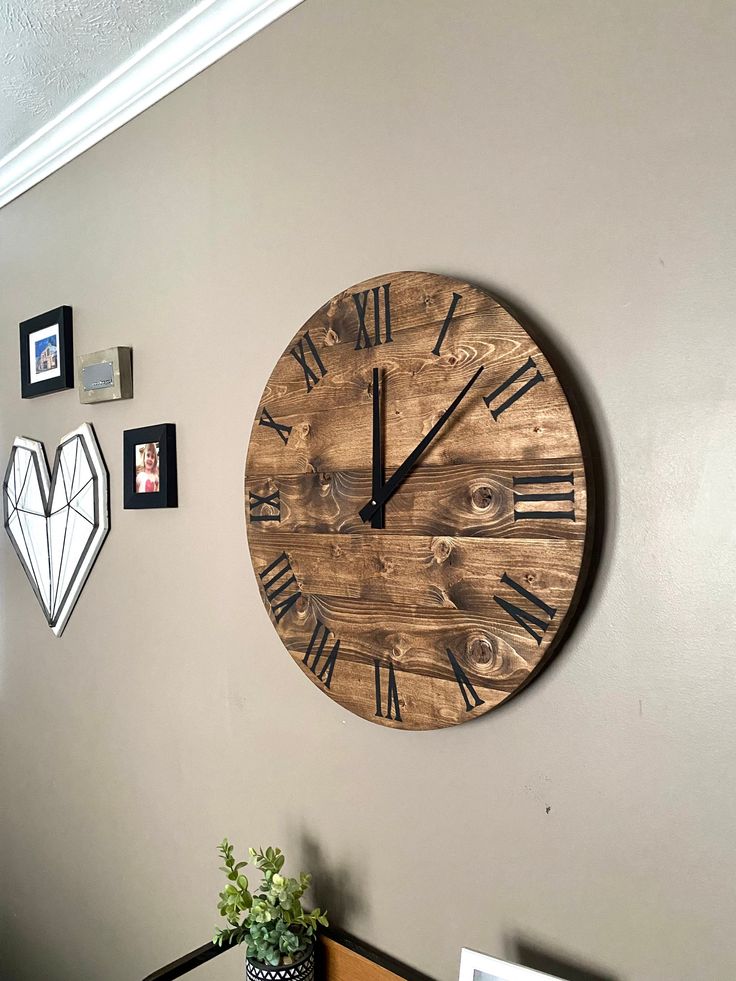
x=564 y=511
x=536 y=376
x=278 y=579
x=392 y=694
x=456 y=297
x=278 y=427
x=361 y=305
x=466 y=687
x=525 y=619
x=266 y=508
x=309 y=360
x=315 y=650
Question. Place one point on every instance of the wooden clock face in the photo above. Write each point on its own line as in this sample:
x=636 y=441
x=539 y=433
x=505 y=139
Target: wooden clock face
x=450 y=595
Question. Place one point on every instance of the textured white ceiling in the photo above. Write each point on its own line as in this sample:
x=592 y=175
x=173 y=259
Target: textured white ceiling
x=52 y=51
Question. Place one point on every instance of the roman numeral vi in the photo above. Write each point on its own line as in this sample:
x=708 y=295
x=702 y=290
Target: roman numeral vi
x=525 y=619
x=279 y=581
x=466 y=687
x=392 y=694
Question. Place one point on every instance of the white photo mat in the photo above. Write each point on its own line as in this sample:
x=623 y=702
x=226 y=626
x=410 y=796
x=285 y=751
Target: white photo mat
x=480 y=967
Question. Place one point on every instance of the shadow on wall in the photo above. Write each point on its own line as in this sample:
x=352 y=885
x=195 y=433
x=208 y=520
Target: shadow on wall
x=332 y=884
x=536 y=956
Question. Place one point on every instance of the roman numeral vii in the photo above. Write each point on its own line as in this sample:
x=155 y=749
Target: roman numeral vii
x=381 y=333
x=279 y=581
x=316 y=649
x=523 y=617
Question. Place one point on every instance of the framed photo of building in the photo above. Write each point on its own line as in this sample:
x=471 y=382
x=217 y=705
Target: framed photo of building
x=46 y=353
x=481 y=967
x=149 y=467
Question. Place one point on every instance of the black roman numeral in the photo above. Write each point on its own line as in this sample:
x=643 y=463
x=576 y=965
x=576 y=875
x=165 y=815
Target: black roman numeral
x=565 y=512
x=278 y=427
x=280 y=579
x=361 y=305
x=465 y=686
x=316 y=650
x=266 y=508
x=456 y=297
x=303 y=358
x=525 y=619
x=392 y=694
x=535 y=379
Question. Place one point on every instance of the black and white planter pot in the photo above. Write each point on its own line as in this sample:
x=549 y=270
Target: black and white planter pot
x=301 y=970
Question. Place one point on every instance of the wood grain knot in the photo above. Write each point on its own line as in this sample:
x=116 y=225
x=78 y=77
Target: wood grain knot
x=331 y=337
x=304 y=430
x=441 y=549
x=482 y=497
x=480 y=650
x=325 y=483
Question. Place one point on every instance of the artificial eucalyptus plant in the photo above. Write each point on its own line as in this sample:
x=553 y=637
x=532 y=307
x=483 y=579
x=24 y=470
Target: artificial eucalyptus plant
x=271 y=921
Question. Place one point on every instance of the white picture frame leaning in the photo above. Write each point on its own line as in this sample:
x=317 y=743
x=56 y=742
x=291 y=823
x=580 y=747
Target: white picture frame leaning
x=475 y=966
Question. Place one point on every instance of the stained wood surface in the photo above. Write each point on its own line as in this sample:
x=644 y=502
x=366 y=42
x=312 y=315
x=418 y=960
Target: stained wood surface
x=459 y=566
x=342 y=964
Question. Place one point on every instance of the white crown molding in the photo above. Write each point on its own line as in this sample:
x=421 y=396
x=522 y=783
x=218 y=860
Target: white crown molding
x=188 y=46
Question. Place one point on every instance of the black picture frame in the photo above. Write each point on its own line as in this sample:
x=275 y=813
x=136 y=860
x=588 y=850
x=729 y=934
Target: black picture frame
x=167 y=495
x=32 y=380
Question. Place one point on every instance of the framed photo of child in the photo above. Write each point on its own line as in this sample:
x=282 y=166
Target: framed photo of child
x=149 y=467
x=46 y=353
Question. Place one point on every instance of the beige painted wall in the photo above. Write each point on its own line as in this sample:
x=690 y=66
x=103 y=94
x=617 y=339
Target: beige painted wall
x=578 y=158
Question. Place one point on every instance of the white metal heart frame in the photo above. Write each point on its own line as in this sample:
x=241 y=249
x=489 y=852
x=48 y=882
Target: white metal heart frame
x=57 y=523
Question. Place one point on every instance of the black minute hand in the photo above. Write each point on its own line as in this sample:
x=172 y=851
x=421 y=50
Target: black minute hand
x=399 y=476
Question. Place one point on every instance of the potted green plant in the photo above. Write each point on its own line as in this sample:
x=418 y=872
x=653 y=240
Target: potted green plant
x=277 y=931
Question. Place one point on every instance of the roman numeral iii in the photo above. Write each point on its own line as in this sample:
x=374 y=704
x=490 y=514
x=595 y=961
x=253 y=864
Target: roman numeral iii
x=523 y=617
x=466 y=687
x=315 y=650
x=456 y=297
x=266 y=508
x=381 y=332
x=525 y=502
x=279 y=581
x=504 y=401
x=309 y=360
x=392 y=694
x=278 y=427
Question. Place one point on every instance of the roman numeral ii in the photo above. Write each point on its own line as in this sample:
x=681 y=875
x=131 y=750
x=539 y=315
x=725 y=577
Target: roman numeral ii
x=309 y=360
x=535 y=377
x=315 y=650
x=279 y=581
x=525 y=619
x=361 y=305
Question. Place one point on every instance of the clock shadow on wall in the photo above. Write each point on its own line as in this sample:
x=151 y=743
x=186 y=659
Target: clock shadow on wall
x=424 y=500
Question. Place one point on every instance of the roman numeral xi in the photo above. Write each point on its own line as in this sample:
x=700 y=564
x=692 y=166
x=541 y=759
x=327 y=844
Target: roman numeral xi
x=381 y=332
x=310 y=361
x=280 y=586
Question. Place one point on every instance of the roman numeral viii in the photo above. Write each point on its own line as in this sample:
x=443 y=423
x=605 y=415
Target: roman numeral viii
x=504 y=401
x=361 y=305
x=309 y=360
x=279 y=581
x=565 y=511
x=266 y=508
x=392 y=694
x=525 y=619
x=278 y=427
x=466 y=687
x=316 y=651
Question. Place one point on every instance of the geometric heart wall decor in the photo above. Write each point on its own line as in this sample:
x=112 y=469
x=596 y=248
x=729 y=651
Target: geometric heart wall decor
x=58 y=522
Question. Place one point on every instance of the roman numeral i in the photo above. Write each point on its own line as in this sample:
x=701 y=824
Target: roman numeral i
x=564 y=511
x=279 y=581
x=456 y=297
x=392 y=694
x=315 y=650
x=525 y=619
x=309 y=360
x=535 y=377
x=361 y=305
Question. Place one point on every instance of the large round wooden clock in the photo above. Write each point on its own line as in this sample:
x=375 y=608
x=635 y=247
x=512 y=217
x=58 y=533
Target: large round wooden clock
x=417 y=502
